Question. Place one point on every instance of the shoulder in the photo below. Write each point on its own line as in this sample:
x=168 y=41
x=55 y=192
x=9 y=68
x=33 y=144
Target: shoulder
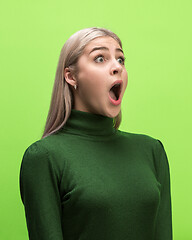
x=143 y=142
x=42 y=159
x=44 y=146
x=138 y=139
x=35 y=155
x=41 y=152
x=146 y=144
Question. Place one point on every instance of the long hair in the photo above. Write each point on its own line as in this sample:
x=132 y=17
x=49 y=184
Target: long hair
x=62 y=97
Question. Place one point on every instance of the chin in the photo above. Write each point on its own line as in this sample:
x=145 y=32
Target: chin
x=113 y=113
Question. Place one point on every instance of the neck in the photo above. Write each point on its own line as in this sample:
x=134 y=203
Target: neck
x=86 y=123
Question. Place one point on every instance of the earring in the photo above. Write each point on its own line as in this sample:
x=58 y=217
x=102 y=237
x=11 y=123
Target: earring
x=75 y=86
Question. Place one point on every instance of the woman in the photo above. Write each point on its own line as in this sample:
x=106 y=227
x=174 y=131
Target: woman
x=85 y=179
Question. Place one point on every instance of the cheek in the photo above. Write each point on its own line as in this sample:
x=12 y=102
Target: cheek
x=125 y=77
x=92 y=81
x=125 y=81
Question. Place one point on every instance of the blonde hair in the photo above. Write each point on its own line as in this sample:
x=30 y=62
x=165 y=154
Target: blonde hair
x=62 y=97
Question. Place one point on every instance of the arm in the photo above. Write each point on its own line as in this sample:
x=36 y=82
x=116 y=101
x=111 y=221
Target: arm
x=163 y=229
x=40 y=194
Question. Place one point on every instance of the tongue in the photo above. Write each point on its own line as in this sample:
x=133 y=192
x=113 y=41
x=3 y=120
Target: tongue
x=112 y=95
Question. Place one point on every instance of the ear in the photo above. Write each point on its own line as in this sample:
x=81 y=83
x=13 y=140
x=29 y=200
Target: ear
x=69 y=77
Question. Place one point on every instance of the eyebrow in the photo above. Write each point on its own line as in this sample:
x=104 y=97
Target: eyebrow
x=105 y=48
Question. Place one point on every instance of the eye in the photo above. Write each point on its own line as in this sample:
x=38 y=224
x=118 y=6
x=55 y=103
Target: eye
x=122 y=60
x=99 y=58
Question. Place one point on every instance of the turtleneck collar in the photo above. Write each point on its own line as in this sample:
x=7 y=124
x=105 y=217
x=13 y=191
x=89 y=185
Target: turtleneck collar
x=88 y=124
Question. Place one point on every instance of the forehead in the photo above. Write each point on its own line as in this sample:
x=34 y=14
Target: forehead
x=105 y=41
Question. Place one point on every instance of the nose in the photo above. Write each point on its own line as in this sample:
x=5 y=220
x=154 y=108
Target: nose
x=116 y=68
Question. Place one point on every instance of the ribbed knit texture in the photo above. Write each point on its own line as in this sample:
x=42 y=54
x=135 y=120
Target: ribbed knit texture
x=93 y=182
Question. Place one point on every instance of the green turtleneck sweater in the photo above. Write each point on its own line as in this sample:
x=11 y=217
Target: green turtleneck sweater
x=90 y=181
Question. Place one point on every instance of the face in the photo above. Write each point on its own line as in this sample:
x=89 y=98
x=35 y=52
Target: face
x=100 y=67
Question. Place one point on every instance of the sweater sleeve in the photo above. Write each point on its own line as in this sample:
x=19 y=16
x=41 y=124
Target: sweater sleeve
x=39 y=189
x=163 y=229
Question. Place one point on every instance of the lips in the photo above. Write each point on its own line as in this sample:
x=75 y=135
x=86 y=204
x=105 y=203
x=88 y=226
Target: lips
x=115 y=90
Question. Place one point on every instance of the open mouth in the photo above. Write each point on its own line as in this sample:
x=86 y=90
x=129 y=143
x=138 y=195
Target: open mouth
x=115 y=91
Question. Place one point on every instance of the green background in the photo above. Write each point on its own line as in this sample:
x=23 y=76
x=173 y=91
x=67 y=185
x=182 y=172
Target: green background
x=156 y=36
